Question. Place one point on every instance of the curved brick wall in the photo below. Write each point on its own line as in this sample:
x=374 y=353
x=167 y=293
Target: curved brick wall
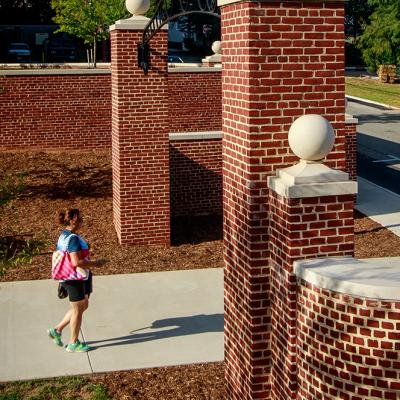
x=348 y=347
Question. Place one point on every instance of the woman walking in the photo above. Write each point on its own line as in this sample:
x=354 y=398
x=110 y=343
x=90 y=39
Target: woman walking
x=79 y=283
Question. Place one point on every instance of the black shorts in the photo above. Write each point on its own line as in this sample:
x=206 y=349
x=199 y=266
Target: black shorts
x=77 y=290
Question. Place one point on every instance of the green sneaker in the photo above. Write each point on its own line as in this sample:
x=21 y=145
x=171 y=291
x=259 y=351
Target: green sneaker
x=56 y=336
x=77 y=347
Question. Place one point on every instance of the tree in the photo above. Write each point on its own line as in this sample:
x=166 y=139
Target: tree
x=380 y=42
x=356 y=17
x=25 y=12
x=88 y=19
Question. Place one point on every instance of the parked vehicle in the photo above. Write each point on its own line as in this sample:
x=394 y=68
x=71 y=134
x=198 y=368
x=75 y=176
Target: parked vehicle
x=18 y=52
x=175 y=59
x=60 y=49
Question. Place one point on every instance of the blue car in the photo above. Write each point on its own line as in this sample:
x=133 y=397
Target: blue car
x=18 y=52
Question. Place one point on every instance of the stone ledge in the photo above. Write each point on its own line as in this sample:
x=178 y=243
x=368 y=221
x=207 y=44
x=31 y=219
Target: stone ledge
x=206 y=135
x=179 y=68
x=137 y=22
x=227 y=2
x=310 y=179
x=48 y=71
x=376 y=278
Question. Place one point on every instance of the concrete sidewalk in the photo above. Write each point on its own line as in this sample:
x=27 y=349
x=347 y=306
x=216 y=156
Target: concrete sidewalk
x=134 y=321
x=381 y=205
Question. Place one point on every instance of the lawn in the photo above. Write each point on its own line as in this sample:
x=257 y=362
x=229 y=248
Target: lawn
x=371 y=89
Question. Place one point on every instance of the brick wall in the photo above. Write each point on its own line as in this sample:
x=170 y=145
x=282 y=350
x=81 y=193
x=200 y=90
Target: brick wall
x=55 y=111
x=300 y=228
x=351 y=150
x=196 y=177
x=140 y=142
x=280 y=60
x=194 y=101
x=348 y=347
x=44 y=110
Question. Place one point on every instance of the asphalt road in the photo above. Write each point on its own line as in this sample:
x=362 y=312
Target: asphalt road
x=378 y=144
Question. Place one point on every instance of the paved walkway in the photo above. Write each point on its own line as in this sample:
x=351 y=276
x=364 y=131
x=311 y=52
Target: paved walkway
x=381 y=205
x=135 y=320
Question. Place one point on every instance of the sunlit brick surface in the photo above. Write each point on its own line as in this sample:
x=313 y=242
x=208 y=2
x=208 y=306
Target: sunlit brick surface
x=280 y=60
x=348 y=347
x=140 y=141
x=300 y=229
x=55 y=111
x=194 y=101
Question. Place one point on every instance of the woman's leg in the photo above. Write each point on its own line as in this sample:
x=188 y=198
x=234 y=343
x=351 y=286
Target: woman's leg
x=77 y=309
x=67 y=317
x=65 y=321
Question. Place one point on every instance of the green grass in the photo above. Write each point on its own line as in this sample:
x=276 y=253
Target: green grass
x=66 y=388
x=369 y=89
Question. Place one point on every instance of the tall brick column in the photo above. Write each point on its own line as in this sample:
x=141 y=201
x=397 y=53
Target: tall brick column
x=140 y=143
x=280 y=60
x=311 y=211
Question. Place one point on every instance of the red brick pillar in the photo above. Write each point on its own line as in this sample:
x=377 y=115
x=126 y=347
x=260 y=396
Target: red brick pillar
x=280 y=60
x=140 y=143
x=311 y=215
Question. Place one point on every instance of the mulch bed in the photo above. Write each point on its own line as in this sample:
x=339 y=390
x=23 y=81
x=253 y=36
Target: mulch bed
x=84 y=180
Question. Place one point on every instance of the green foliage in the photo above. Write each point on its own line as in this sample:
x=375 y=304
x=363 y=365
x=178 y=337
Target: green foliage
x=87 y=19
x=380 y=42
x=357 y=15
x=167 y=4
x=11 y=187
x=16 y=249
x=66 y=388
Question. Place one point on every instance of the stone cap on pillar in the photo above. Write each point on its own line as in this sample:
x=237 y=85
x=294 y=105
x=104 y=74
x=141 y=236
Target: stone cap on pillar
x=311 y=138
x=138 y=21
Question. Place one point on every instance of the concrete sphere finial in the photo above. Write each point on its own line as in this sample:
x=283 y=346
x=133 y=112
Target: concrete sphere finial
x=137 y=7
x=311 y=137
x=216 y=47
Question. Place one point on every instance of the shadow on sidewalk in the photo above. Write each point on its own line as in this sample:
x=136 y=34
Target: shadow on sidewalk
x=181 y=326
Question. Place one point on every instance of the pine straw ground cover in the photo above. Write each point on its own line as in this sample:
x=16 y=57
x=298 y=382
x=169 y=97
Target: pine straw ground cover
x=58 y=180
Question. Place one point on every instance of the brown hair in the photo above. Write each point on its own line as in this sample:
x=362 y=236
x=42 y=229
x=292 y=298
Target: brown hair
x=66 y=216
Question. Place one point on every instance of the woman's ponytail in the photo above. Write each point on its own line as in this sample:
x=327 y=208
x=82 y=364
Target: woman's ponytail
x=66 y=216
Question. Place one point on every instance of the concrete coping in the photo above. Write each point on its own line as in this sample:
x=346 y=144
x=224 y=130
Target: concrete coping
x=103 y=68
x=55 y=71
x=134 y=23
x=227 y=2
x=192 y=67
x=206 y=135
x=376 y=278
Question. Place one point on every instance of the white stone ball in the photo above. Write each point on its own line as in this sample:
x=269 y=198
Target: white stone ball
x=137 y=7
x=216 y=47
x=311 y=137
